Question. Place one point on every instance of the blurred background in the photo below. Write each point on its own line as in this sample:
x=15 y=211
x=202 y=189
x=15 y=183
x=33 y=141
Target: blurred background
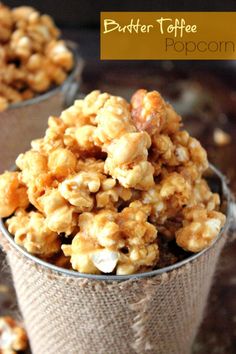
x=203 y=92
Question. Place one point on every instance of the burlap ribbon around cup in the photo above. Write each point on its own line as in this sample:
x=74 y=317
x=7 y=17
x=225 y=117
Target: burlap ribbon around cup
x=71 y=315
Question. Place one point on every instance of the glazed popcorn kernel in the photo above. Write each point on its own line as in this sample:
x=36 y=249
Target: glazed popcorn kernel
x=32 y=57
x=59 y=213
x=13 y=193
x=200 y=227
x=79 y=188
x=112 y=186
x=98 y=246
x=32 y=233
x=32 y=164
x=61 y=162
x=168 y=197
x=13 y=337
x=152 y=114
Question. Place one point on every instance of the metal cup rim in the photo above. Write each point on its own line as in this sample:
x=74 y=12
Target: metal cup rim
x=74 y=274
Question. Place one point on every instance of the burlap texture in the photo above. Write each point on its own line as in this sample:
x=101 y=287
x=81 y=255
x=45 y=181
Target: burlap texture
x=68 y=315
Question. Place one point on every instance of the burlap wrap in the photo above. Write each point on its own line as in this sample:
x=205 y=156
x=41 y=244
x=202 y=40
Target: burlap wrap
x=69 y=315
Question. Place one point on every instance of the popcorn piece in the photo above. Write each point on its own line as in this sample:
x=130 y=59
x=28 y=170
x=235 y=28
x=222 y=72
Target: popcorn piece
x=180 y=151
x=200 y=228
x=37 y=187
x=22 y=13
x=32 y=233
x=90 y=164
x=168 y=197
x=10 y=94
x=85 y=137
x=6 y=23
x=108 y=175
x=53 y=138
x=105 y=260
x=148 y=111
x=104 y=235
x=59 y=214
x=130 y=148
x=126 y=160
x=139 y=176
x=162 y=149
x=137 y=258
x=139 y=237
x=78 y=188
x=3 y=103
x=173 y=121
x=59 y=54
x=80 y=253
x=202 y=195
x=101 y=227
x=152 y=114
x=13 y=194
x=32 y=164
x=21 y=44
x=62 y=162
x=93 y=102
x=73 y=116
x=221 y=138
x=32 y=59
x=83 y=112
x=111 y=195
x=13 y=337
x=113 y=120
x=80 y=140
x=39 y=81
x=126 y=148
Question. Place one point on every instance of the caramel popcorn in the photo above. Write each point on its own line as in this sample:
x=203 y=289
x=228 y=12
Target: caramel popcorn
x=108 y=239
x=152 y=114
x=84 y=111
x=61 y=162
x=167 y=198
x=78 y=189
x=126 y=160
x=53 y=137
x=59 y=213
x=31 y=232
x=139 y=239
x=13 y=337
x=108 y=183
x=13 y=193
x=221 y=138
x=32 y=58
x=200 y=227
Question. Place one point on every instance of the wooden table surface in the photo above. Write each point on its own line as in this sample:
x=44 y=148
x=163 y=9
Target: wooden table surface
x=205 y=94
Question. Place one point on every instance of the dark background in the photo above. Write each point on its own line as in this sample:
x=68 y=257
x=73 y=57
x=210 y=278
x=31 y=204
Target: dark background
x=85 y=13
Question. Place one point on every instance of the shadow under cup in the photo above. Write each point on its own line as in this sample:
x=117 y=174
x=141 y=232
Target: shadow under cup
x=22 y=122
x=159 y=311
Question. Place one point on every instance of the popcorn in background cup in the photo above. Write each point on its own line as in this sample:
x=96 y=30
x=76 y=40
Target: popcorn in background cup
x=32 y=57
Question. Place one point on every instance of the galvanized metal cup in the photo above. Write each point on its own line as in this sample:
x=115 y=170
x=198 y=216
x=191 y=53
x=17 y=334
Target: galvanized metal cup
x=27 y=120
x=154 y=312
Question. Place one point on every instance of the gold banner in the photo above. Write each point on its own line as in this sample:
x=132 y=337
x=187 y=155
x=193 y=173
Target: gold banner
x=168 y=35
